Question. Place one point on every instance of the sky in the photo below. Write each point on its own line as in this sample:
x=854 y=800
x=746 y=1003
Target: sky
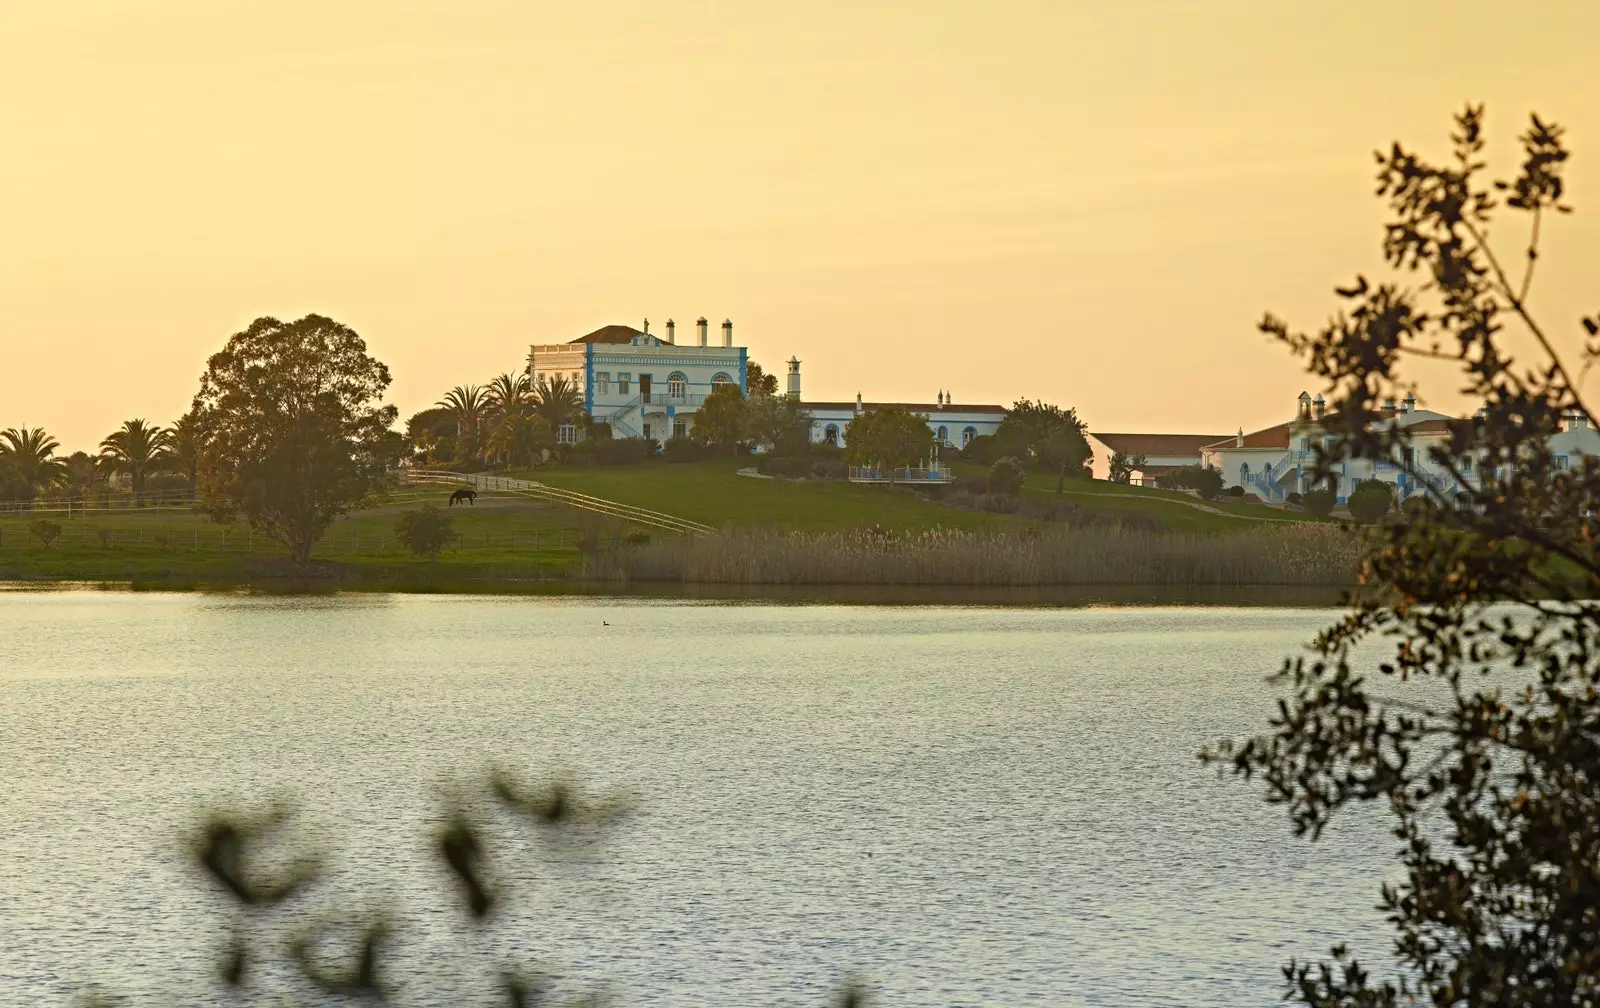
x=1089 y=203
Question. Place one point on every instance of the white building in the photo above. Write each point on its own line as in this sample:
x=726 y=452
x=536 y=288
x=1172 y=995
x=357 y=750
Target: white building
x=953 y=425
x=1162 y=452
x=643 y=385
x=1276 y=461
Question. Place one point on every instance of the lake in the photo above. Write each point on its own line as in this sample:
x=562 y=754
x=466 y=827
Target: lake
x=960 y=806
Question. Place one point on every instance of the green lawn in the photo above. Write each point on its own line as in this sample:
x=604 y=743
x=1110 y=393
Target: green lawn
x=709 y=491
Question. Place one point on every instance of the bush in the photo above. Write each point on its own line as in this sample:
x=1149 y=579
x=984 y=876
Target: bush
x=1294 y=498
x=1320 y=502
x=1206 y=482
x=1234 y=491
x=982 y=449
x=1370 y=501
x=787 y=466
x=638 y=537
x=830 y=468
x=1005 y=477
x=683 y=449
x=1416 y=507
x=612 y=451
x=46 y=530
x=425 y=531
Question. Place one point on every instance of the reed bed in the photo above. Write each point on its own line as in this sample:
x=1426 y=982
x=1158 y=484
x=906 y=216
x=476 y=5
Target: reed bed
x=1316 y=555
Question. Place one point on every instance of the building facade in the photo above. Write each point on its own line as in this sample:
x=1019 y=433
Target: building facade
x=1277 y=461
x=642 y=384
x=953 y=425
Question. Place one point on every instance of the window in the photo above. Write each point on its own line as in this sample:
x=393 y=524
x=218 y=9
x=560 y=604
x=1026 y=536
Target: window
x=830 y=434
x=567 y=434
x=602 y=383
x=677 y=385
x=1408 y=457
x=944 y=435
x=1244 y=473
x=647 y=432
x=967 y=435
x=623 y=378
x=721 y=378
x=1560 y=461
x=680 y=428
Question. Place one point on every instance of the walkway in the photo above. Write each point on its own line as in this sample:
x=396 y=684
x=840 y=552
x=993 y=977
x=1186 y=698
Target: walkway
x=556 y=495
x=1208 y=509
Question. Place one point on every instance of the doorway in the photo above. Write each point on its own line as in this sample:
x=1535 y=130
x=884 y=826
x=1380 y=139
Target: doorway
x=644 y=388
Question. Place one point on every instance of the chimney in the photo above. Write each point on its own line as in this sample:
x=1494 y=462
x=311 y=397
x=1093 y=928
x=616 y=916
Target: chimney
x=1409 y=403
x=858 y=402
x=672 y=331
x=794 y=378
x=702 y=324
x=1577 y=419
x=1388 y=405
x=1305 y=405
x=647 y=327
x=727 y=332
x=1320 y=404
x=1238 y=441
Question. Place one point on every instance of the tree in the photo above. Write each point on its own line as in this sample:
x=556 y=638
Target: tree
x=889 y=437
x=1479 y=733
x=1124 y=465
x=468 y=406
x=46 y=530
x=1205 y=481
x=519 y=437
x=507 y=392
x=1006 y=476
x=83 y=471
x=425 y=531
x=1048 y=437
x=184 y=442
x=558 y=401
x=1063 y=449
x=296 y=430
x=28 y=455
x=758 y=381
x=777 y=422
x=1370 y=501
x=137 y=449
x=720 y=419
x=432 y=435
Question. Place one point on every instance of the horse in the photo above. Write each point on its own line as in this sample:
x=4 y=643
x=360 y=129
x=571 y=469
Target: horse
x=464 y=494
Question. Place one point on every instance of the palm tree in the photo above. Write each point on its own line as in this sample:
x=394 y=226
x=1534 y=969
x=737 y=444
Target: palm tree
x=469 y=404
x=185 y=443
x=29 y=454
x=507 y=391
x=518 y=436
x=138 y=449
x=558 y=400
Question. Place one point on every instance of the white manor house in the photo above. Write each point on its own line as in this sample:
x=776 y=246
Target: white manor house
x=651 y=386
x=1277 y=461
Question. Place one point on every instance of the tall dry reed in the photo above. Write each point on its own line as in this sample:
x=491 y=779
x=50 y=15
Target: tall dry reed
x=1289 y=554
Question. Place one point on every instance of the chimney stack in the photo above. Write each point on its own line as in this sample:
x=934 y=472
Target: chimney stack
x=647 y=327
x=858 y=402
x=1409 y=403
x=1305 y=405
x=727 y=332
x=701 y=325
x=794 y=378
x=672 y=331
x=1238 y=442
x=1320 y=404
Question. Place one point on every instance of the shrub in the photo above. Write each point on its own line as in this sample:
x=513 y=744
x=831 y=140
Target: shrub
x=683 y=449
x=1370 y=501
x=1005 y=477
x=107 y=537
x=1320 y=502
x=425 y=531
x=982 y=449
x=1206 y=482
x=830 y=468
x=1234 y=491
x=1416 y=507
x=638 y=537
x=612 y=451
x=1294 y=498
x=46 y=530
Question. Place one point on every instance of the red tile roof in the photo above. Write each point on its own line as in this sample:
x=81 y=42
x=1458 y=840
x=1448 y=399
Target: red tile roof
x=929 y=408
x=610 y=334
x=1158 y=444
x=1271 y=437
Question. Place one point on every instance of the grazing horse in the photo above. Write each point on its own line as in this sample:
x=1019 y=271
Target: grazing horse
x=464 y=494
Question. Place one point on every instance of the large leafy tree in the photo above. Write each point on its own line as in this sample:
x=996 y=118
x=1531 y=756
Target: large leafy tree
x=1124 y=464
x=1048 y=437
x=891 y=437
x=777 y=422
x=758 y=381
x=297 y=433
x=137 y=449
x=29 y=460
x=1479 y=732
x=720 y=419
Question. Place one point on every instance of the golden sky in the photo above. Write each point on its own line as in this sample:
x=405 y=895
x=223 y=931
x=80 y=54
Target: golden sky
x=1086 y=202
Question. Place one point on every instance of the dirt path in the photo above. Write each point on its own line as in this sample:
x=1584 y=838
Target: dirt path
x=1208 y=509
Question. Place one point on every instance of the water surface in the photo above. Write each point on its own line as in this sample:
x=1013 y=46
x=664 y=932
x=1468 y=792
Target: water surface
x=966 y=806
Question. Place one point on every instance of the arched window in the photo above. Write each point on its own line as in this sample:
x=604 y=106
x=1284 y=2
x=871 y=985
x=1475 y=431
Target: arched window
x=830 y=434
x=721 y=378
x=967 y=435
x=944 y=435
x=677 y=385
x=1244 y=473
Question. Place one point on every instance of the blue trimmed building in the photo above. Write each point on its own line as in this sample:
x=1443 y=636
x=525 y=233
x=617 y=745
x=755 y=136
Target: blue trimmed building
x=642 y=384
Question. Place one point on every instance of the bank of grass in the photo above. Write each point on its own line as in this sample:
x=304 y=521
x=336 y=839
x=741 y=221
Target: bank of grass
x=1293 y=554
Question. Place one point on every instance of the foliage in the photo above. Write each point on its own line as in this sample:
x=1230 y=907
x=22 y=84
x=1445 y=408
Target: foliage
x=1478 y=734
x=1124 y=465
x=777 y=422
x=890 y=437
x=1202 y=480
x=720 y=419
x=425 y=530
x=468 y=407
x=296 y=431
x=1006 y=477
x=432 y=435
x=613 y=451
x=185 y=439
x=981 y=450
x=519 y=437
x=758 y=381
x=28 y=461
x=1049 y=437
x=137 y=449
x=683 y=449
x=47 y=531
x=1319 y=502
x=558 y=401
x=83 y=471
x=508 y=392
x=1370 y=501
